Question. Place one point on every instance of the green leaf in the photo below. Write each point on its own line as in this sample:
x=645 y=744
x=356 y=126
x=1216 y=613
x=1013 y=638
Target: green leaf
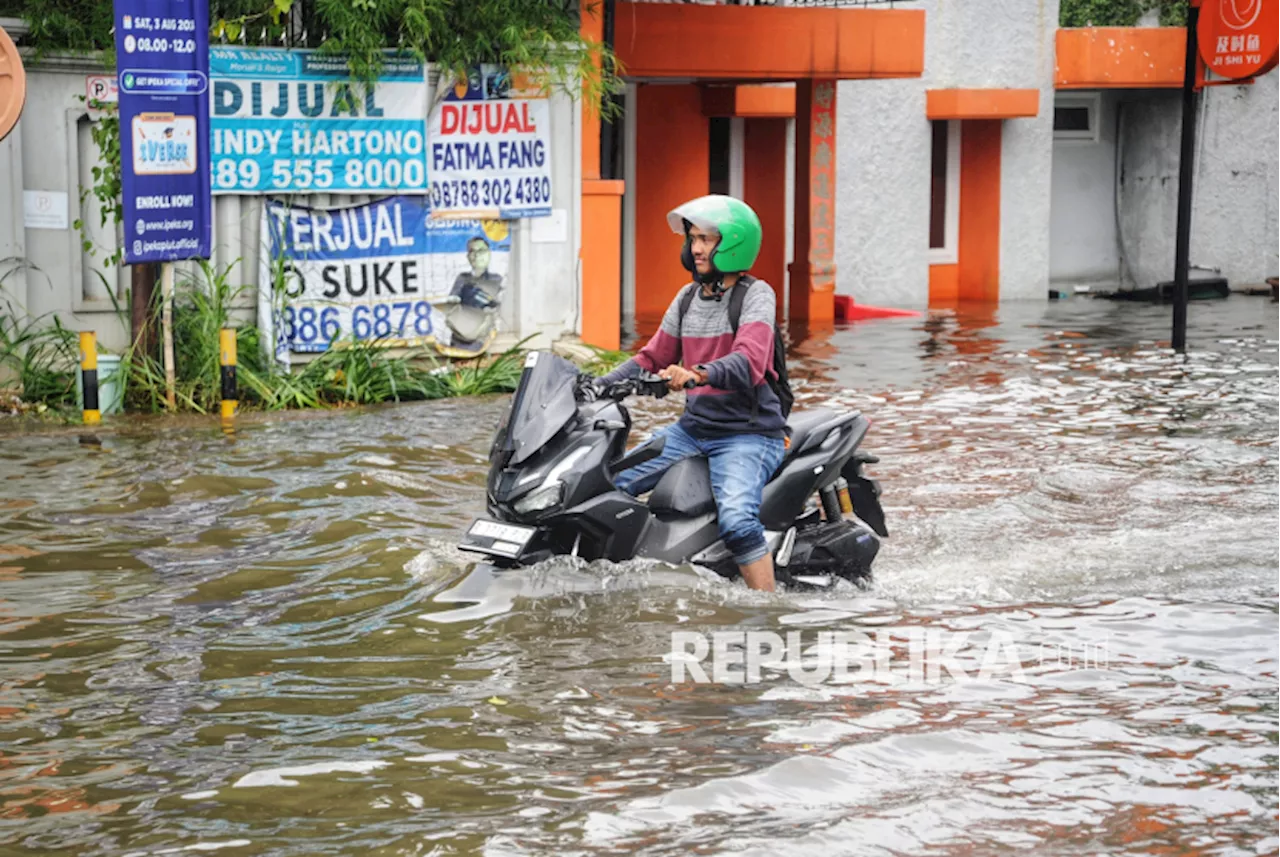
x=453 y=34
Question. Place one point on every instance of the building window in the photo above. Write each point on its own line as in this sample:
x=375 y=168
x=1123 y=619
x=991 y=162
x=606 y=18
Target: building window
x=944 y=202
x=1075 y=117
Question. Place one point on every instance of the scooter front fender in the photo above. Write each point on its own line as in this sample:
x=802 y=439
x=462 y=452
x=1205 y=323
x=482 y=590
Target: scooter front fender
x=615 y=519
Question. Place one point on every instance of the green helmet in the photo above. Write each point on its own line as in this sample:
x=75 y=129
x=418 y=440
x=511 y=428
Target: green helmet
x=732 y=219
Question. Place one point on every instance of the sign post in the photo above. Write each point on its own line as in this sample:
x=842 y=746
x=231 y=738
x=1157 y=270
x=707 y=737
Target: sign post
x=162 y=54
x=1236 y=40
x=1182 y=248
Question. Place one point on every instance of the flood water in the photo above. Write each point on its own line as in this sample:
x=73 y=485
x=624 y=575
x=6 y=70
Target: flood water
x=232 y=643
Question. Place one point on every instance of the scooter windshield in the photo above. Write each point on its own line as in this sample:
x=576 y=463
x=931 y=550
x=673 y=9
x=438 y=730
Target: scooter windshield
x=543 y=403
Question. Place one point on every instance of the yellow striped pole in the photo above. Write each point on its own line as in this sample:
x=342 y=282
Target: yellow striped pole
x=227 y=345
x=89 y=376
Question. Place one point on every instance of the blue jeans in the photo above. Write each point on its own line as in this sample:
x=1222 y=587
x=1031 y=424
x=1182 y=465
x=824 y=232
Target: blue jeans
x=741 y=464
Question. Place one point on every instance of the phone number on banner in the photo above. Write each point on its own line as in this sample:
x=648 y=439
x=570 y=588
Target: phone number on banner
x=319 y=174
x=514 y=193
x=313 y=328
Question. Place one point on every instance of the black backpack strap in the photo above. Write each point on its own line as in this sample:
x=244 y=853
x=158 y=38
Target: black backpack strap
x=686 y=301
x=737 y=295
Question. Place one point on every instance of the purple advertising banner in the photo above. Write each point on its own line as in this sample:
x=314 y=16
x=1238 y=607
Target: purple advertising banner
x=162 y=54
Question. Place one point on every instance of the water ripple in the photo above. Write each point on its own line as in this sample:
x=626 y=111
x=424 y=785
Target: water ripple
x=234 y=643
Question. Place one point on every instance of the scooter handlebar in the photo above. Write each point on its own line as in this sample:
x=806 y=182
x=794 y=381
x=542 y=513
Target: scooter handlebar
x=649 y=384
x=644 y=384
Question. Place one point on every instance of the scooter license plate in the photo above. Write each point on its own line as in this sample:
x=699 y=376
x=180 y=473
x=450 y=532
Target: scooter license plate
x=498 y=539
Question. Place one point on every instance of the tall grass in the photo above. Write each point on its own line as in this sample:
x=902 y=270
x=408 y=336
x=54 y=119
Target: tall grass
x=348 y=373
x=44 y=357
x=605 y=360
x=201 y=308
x=38 y=360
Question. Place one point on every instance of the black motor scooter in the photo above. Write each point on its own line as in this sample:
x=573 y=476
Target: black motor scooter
x=550 y=488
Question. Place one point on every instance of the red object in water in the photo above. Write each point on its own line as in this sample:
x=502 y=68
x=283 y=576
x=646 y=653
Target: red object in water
x=847 y=310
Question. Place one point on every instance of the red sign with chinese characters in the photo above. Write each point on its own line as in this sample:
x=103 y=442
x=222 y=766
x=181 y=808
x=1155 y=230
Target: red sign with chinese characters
x=1238 y=38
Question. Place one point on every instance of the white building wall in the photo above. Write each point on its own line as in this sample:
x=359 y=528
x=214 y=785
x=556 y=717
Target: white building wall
x=883 y=145
x=1082 y=230
x=548 y=275
x=1234 y=219
x=883 y=162
x=46 y=271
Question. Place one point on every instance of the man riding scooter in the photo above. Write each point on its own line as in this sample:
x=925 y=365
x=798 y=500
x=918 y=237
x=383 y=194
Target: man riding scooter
x=732 y=414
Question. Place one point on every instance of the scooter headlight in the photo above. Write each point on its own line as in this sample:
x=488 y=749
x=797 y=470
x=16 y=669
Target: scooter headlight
x=550 y=493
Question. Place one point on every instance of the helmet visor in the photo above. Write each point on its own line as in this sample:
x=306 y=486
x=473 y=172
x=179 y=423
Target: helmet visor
x=706 y=213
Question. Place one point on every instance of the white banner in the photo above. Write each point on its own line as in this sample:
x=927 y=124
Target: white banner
x=489 y=149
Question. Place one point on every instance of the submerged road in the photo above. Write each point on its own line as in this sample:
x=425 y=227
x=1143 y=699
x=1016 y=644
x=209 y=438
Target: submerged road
x=231 y=643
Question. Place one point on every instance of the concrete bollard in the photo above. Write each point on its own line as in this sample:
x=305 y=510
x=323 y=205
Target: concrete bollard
x=227 y=347
x=89 y=376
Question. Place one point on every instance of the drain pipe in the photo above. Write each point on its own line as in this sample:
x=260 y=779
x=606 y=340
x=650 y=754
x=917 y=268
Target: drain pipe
x=1123 y=262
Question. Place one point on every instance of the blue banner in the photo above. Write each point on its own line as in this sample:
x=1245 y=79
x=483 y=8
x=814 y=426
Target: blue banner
x=399 y=226
x=387 y=272
x=292 y=122
x=162 y=53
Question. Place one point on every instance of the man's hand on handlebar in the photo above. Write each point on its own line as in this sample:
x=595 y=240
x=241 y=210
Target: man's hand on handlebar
x=588 y=388
x=651 y=385
x=680 y=378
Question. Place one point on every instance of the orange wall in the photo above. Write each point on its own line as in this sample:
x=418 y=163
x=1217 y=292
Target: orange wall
x=979 y=250
x=981 y=103
x=764 y=188
x=757 y=100
x=944 y=284
x=672 y=152
x=601 y=263
x=1120 y=57
x=684 y=40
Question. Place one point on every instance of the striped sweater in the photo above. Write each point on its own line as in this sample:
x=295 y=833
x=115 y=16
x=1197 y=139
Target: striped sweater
x=736 y=398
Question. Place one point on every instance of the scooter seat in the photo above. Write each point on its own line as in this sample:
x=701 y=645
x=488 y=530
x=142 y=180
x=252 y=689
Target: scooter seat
x=685 y=489
x=803 y=423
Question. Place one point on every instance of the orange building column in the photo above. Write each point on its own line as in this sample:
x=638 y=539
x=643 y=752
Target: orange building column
x=601 y=244
x=764 y=188
x=672 y=167
x=813 y=273
x=602 y=263
x=978 y=268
